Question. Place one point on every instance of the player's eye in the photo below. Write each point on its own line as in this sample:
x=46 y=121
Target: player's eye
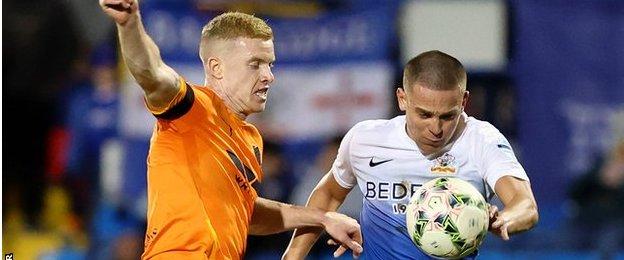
x=271 y=64
x=447 y=117
x=424 y=115
x=254 y=64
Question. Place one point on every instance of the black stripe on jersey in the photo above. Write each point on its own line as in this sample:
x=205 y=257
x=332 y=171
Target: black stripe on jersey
x=257 y=154
x=181 y=108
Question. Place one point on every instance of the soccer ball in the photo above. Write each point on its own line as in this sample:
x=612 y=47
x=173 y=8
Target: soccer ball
x=447 y=218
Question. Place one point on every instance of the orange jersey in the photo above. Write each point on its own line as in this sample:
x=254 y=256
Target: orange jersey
x=202 y=162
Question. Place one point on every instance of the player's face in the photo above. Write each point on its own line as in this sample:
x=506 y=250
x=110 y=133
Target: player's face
x=247 y=74
x=432 y=115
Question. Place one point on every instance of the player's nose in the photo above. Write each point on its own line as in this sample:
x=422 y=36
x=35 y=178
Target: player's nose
x=266 y=76
x=436 y=129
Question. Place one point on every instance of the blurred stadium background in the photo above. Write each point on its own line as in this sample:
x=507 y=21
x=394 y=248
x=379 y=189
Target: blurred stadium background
x=548 y=74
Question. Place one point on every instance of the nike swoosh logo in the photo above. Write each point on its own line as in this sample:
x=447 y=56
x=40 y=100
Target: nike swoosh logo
x=503 y=146
x=373 y=164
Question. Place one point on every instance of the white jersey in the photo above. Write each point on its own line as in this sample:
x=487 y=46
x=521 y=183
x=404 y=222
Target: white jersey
x=386 y=164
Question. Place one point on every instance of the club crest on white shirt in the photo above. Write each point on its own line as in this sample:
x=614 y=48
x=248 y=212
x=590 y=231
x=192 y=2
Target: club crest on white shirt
x=444 y=164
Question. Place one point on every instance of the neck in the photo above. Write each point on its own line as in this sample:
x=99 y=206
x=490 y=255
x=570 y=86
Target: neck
x=227 y=99
x=240 y=115
x=231 y=105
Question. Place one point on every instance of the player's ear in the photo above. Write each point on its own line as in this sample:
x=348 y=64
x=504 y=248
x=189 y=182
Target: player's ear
x=401 y=98
x=465 y=99
x=214 y=66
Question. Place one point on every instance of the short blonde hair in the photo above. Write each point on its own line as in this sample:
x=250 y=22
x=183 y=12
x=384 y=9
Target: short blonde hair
x=231 y=25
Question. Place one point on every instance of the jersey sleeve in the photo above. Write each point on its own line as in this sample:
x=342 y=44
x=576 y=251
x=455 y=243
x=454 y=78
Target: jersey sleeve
x=498 y=160
x=341 y=169
x=179 y=105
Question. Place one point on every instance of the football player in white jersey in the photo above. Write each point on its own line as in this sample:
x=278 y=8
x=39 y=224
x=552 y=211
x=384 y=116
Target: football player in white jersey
x=389 y=159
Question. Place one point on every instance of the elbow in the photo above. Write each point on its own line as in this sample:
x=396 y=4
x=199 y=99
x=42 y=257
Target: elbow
x=151 y=78
x=160 y=88
x=152 y=74
x=534 y=216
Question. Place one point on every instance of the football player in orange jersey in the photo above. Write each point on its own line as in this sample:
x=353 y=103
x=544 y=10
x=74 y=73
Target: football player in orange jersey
x=203 y=156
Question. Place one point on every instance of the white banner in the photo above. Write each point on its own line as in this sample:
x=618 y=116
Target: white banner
x=474 y=32
x=319 y=101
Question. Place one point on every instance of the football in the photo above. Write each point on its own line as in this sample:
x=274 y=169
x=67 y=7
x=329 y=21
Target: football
x=447 y=218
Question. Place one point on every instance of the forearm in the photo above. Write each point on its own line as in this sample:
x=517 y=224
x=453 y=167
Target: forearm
x=521 y=215
x=304 y=238
x=520 y=209
x=143 y=59
x=271 y=217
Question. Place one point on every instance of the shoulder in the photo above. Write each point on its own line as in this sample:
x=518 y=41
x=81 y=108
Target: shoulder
x=483 y=136
x=482 y=131
x=378 y=130
x=206 y=98
x=192 y=102
x=378 y=126
x=203 y=92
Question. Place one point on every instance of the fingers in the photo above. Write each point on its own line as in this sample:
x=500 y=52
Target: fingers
x=351 y=244
x=117 y=2
x=340 y=251
x=504 y=233
x=121 y=11
x=358 y=239
x=128 y=3
x=355 y=247
x=118 y=5
x=121 y=7
x=110 y=2
x=500 y=227
x=357 y=235
x=493 y=211
x=345 y=232
x=359 y=250
x=498 y=222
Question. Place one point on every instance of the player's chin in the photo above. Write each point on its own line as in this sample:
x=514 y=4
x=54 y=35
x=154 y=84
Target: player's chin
x=258 y=107
x=438 y=143
x=432 y=147
x=432 y=144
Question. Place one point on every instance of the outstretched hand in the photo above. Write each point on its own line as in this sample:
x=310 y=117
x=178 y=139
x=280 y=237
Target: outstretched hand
x=120 y=10
x=498 y=223
x=345 y=233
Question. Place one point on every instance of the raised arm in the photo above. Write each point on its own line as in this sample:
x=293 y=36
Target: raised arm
x=327 y=196
x=520 y=209
x=159 y=82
